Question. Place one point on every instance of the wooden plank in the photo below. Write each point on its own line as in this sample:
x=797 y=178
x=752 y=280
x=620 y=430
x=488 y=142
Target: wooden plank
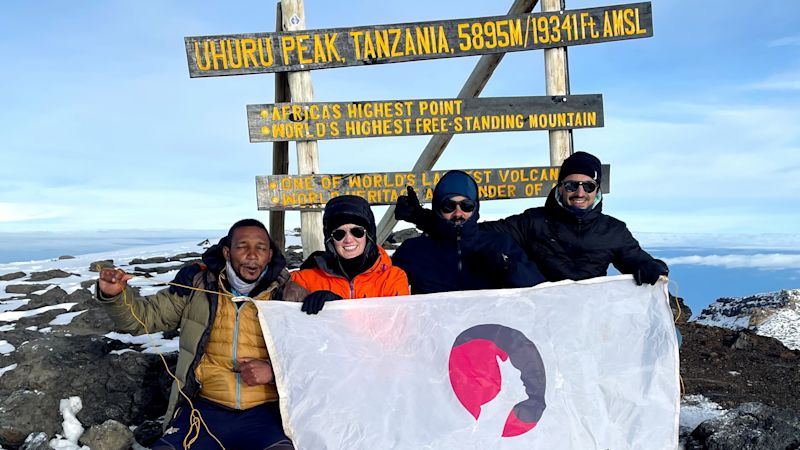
x=301 y=90
x=557 y=83
x=288 y=192
x=250 y=53
x=304 y=121
x=474 y=85
x=280 y=150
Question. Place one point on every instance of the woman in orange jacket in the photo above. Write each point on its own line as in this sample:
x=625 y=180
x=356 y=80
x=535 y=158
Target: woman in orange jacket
x=353 y=265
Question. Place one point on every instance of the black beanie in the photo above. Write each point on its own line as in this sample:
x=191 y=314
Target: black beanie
x=348 y=209
x=581 y=163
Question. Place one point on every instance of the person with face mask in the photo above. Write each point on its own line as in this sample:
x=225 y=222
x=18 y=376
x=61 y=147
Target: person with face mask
x=569 y=238
x=353 y=265
x=457 y=255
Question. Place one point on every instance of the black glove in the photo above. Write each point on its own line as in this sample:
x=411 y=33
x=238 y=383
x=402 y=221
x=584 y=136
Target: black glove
x=408 y=206
x=489 y=261
x=649 y=272
x=314 y=301
x=409 y=209
x=185 y=276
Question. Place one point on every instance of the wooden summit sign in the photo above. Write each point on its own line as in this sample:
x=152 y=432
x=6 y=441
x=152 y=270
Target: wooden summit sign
x=240 y=54
x=293 y=192
x=314 y=121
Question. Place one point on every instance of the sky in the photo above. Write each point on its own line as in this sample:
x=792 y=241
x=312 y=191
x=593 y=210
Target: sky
x=102 y=128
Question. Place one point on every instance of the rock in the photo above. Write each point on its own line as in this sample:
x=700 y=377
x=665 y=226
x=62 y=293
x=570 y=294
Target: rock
x=37 y=441
x=96 y=266
x=158 y=270
x=153 y=260
x=94 y=321
x=26 y=411
x=293 y=259
x=62 y=257
x=49 y=275
x=679 y=309
x=110 y=435
x=24 y=288
x=204 y=243
x=395 y=239
x=12 y=276
x=52 y=297
x=182 y=256
x=86 y=284
x=126 y=387
x=750 y=426
x=148 y=432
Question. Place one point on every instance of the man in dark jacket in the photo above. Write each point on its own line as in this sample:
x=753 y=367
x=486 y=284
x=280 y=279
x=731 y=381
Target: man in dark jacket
x=223 y=369
x=457 y=255
x=569 y=237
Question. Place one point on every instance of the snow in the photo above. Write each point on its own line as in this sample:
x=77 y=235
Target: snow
x=10 y=316
x=7 y=368
x=10 y=305
x=73 y=429
x=772 y=314
x=9 y=327
x=5 y=348
x=151 y=343
x=43 y=291
x=66 y=318
x=696 y=409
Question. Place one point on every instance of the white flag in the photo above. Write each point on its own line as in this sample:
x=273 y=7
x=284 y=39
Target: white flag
x=569 y=365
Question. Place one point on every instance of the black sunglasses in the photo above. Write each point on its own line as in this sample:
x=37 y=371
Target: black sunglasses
x=572 y=186
x=357 y=232
x=449 y=205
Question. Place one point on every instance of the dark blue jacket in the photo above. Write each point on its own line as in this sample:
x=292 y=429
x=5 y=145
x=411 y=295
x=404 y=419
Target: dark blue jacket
x=455 y=260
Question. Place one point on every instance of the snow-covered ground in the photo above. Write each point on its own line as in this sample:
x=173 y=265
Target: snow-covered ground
x=773 y=314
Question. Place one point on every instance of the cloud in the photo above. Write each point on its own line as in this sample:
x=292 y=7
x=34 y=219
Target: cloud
x=761 y=261
x=785 y=41
x=20 y=212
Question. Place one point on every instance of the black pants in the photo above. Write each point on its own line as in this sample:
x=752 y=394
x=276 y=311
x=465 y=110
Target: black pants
x=258 y=428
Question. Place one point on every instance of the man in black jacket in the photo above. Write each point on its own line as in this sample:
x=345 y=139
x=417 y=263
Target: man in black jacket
x=569 y=237
x=456 y=255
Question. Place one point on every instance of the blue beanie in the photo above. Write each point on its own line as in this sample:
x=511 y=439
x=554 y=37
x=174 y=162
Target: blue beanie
x=454 y=182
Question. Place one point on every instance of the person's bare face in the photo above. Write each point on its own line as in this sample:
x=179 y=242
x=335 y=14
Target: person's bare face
x=249 y=253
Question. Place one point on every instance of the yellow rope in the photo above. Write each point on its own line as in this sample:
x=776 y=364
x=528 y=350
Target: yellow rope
x=677 y=317
x=195 y=418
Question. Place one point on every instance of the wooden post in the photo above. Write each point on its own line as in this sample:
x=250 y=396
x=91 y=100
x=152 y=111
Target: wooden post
x=472 y=88
x=307 y=151
x=280 y=150
x=557 y=76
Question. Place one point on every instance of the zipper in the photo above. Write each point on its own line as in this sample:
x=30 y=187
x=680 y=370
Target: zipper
x=352 y=288
x=235 y=365
x=458 y=244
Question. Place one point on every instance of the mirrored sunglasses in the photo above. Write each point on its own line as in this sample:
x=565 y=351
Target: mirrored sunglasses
x=572 y=186
x=356 y=232
x=449 y=205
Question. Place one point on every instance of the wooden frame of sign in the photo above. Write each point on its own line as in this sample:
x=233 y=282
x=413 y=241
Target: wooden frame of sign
x=304 y=192
x=250 y=53
x=304 y=121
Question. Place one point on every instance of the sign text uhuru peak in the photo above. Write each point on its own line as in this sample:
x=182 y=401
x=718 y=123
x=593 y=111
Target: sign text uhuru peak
x=240 y=54
x=291 y=192
x=312 y=121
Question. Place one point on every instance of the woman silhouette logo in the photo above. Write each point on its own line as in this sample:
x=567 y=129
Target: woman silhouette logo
x=475 y=373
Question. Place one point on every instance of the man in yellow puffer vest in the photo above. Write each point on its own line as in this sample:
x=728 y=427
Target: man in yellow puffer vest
x=223 y=364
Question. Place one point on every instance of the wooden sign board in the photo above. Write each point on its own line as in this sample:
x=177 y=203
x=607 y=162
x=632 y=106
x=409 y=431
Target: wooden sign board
x=250 y=53
x=301 y=192
x=315 y=121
